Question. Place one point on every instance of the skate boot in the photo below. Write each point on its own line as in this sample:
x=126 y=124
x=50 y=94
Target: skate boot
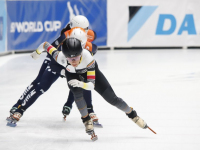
x=135 y=118
x=89 y=128
x=95 y=120
x=12 y=111
x=66 y=111
x=141 y=123
x=14 y=119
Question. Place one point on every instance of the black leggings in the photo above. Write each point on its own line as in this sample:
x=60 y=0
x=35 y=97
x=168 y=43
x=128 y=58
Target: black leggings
x=102 y=86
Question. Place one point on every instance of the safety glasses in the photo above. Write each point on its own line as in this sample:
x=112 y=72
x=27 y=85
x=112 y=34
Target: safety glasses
x=86 y=29
x=74 y=58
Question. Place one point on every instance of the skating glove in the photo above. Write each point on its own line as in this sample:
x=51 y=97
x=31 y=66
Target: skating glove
x=36 y=54
x=86 y=86
x=76 y=83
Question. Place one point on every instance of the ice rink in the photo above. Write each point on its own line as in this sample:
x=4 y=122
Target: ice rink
x=163 y=86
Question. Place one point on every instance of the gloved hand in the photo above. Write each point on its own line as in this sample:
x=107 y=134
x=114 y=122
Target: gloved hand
x=35 y=55
x=76 y=83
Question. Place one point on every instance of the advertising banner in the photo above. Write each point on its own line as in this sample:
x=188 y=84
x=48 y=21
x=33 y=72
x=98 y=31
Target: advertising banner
x=29 y=23
x=153 y=23
x=2 y=26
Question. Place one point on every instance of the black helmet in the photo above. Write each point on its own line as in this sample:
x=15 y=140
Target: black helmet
x=72 y=47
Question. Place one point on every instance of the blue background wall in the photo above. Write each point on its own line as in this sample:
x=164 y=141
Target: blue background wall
x=29 y=23
x=2 y=26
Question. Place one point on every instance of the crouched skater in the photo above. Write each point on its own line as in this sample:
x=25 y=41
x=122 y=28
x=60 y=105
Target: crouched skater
x=50 y=71
x=83 y=73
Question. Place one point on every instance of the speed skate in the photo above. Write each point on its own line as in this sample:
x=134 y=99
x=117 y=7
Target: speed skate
x=11 y=123
x=97 y=124
x=93 y=136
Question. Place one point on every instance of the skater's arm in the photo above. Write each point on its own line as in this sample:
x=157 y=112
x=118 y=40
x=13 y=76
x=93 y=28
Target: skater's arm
x=91 y=35
x=57 y=55
x=56 y=43
x=90 y=83
x=92 y=48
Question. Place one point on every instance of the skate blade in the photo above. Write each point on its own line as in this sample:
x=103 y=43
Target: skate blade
x=97 y=125
x=152 y=130
x=8 y=119
x=94 y=138
x=11 y=124
x=64 y=119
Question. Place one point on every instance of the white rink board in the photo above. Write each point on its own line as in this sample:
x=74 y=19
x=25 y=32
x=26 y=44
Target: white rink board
x=161 y=85
x=174 y=16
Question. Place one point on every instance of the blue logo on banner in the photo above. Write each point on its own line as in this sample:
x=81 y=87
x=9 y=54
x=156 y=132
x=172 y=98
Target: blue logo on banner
x=1 y=28
x=187 y=25
x=138 y=20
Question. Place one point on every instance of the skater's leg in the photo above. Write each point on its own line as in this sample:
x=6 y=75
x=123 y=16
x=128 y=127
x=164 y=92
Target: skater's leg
x=68 y=105
x=88 y=98
x=42 y=70
x=82 y=107
x=33 y=84
x=29 y=88
x=70 y=99
x=47 y=80
x=103 y=87
x=78 y=95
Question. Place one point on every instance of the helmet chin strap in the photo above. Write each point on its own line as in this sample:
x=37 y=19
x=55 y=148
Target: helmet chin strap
x=80 y=59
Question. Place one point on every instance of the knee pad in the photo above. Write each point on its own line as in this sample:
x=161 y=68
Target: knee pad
x=79 y=100
x=77 y=92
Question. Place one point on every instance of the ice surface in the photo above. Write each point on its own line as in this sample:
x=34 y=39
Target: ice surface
x=163 y=86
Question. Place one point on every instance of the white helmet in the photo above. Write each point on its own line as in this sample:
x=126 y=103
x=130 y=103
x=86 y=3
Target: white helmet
x=78 y=33
x=79 y=21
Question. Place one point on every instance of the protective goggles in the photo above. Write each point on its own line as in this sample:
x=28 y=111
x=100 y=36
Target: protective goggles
x=86 y=29
x=74 y=58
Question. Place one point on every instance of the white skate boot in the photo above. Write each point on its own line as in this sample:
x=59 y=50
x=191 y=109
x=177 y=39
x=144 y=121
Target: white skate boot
x=90 y=129
x=89 y=126
x=135 y=118
x=141 y=123
x=14 y=119
x=95 y=120
x=12 y=111
x=93 y=116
